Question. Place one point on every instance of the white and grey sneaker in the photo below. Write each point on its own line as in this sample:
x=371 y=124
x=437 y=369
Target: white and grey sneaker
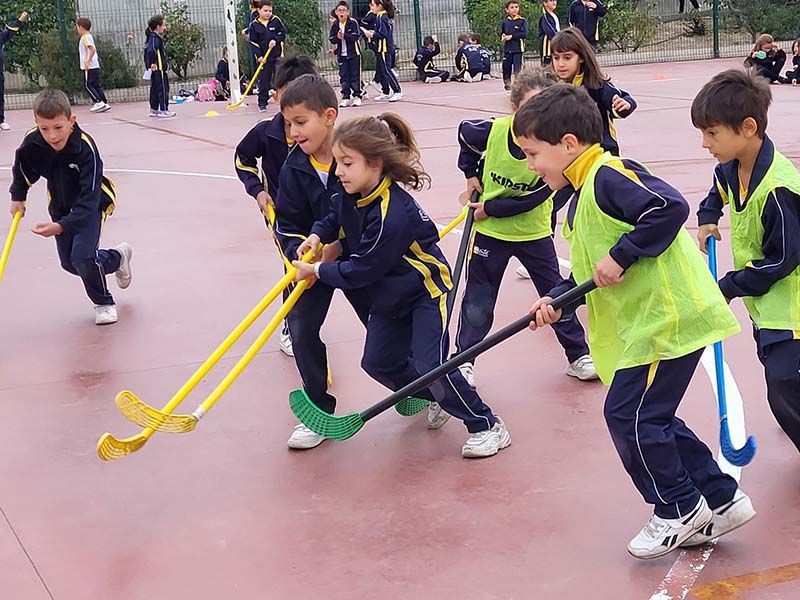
x=383 y=97
x=165 y=114
x=662 y=536
x=396 y=97
x=123 y=274
x=285 y=344
x=436 y=79
x=105 y=314
x=106 y=107
x=437 y=416
x=727 y=517
x=153 y=113
x=303 y=438
x=5 y=126
x=583 y=369
x=97 y=107
x=356 y=101
x=522 y=273
x=344 y=102
x=468 y=372
x=488 y=442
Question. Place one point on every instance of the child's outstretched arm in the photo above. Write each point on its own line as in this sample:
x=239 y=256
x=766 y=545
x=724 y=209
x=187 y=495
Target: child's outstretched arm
x=12 y=28
x=248 y=151
x=619 y=102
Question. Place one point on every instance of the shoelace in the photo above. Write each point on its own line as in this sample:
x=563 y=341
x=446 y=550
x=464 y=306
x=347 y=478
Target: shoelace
x=654 y=527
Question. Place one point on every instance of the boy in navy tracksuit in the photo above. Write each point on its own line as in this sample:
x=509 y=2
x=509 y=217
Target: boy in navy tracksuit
x=586 y=15
x=471 y=66
x=549 y=26
x=514 y=34
x=5 y=35
x=423 y=59
x=267 y=35
x=80 y=198
x=156 y=60
x=344 y=34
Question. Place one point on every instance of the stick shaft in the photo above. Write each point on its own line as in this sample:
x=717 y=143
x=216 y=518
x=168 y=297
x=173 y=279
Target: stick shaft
x=719 y=363
x=252 y=81
x=453 y=224
x=462 y=255
x=469 y=354
x=12 y=233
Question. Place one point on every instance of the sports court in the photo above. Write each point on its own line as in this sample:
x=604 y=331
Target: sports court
x=394 y=513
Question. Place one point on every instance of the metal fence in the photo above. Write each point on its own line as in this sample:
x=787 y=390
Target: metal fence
x=700 y=33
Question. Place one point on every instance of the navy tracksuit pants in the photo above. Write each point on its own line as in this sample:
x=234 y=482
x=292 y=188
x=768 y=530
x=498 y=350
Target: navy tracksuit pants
x=93 y=86
x=487 y=264
x=265 y=82
x=511 y=61
x=384 y=74
x=425 y=75
x=401 y=347
x=310 y=354
x=79 y=255
x=668 y=464
x=781 y=362
x=159 y=90
x=350 y=76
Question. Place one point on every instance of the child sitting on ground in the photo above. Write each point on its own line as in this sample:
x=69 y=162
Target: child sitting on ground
x=767 y=58
x=794 y=74
x=423 y=59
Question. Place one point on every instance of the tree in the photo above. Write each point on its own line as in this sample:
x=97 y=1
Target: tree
x=184 y=40
x=486 y=19
x=781 y=18
x=629 y=25
x=303 y=21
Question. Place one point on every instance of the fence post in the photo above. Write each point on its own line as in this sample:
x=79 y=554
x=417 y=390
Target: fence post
x=62 y=24
x=417 y=24
x=715 y=25
x=233 y=49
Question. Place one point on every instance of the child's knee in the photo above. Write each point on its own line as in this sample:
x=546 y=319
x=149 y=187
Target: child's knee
x=379 y=370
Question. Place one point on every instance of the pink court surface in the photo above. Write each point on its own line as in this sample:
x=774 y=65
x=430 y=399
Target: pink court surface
x=228 y=512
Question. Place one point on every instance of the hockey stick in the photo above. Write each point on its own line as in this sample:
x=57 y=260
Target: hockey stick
x=249 y=87
x=738 y=457
x=346 y=426
x=12 y=233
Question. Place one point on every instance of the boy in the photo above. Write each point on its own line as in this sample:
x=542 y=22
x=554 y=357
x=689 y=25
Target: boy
x=471 y=67
x=586 y=15
x=80 y=198
x=267 y=34
x=269 y=141
x=309 y=107
x=5 y=35
x=461 y=42
x=656 y=309
x=90 y=65
x=345 y=34
x=549 y=26
x=514 y=34
x=426 y=69
x=762 y=190
x=486 y=58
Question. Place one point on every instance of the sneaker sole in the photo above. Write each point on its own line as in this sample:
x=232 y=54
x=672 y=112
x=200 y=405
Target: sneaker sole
x=720 y=534
x=594 y=377
x=287 y=352
x=124 y=284
x=676 y=546
x=304 y=447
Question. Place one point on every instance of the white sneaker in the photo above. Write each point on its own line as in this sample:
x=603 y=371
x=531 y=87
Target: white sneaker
x=397 y=96
x=468 y=371
x=437 y=416
x=106 y=107
x=165 y=114
x=286 y=344
x=383 y=97
x=356 y=101
x=433 y=80
x=522 y=273
x=477 y=78
x=662 y=536
x=153 y=113
x=105 y=314
x=377 y=86
x=726 y=518
x=96 y=107
x=583 y=369
x=5 y=126
x=344 y=102
x=487 y=443
x=303 y=438
x=467 y=77
x=123 y=274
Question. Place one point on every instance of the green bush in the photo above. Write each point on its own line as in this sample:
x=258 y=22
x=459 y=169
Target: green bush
x=781 y=18
x=486 y=19
x=115 y=70
x=629 y=25
x=303 y=21
x=184 y=40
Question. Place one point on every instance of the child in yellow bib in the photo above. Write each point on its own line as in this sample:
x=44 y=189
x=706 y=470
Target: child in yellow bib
x=655 y=310
x=761 y=187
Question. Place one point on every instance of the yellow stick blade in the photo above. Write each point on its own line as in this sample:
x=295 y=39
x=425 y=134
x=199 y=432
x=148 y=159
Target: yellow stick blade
x=109 y=447
x=146 y=416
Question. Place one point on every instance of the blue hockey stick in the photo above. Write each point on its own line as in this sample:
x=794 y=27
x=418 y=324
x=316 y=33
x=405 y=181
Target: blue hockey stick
x=736 y=456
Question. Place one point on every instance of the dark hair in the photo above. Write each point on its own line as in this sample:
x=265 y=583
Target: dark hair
x=731 y=97
x=397 y=151
x=795 y=44
x=154 y=22
x=84 y=23
x=428 y=40
x=291 y=68
x=528 y=79
x=388 y=6
x=264 y=3
x=475 y=38
x=557 y=111
x=224 y=51
x=463 y=37
x=572 y=40
x=50 y=103
x=344 y=3
x=510 y=2
x=313 y=91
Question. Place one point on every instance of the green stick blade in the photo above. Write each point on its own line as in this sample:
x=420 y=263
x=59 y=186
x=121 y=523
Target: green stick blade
x=408 y=407
x=331 y=426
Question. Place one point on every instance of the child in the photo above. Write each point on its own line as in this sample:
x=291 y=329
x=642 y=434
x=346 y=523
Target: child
x=223 y=74
x=5 y=35
x=155 y=59
x=269 y=141
x=762 y=190
x=514 y=34
x=90 y=65
x=767 y=58
x=80 y=198
x=575 y=62
x=383 y=38
x=512 y=218
x=472 y=66
x=486 y=58
x=655 y=311
x=344 y=35
x=392 y=252
x=267 y=34
x=549 y=26
x=426 y=69
x=585 y=15
x=463 y=38
x=794 y=74
x=309 y=108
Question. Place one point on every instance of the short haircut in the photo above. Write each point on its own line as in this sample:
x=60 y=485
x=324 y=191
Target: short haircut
x=510 y=2
x=311 y=90
x=557 y=111
x=344 y=3
x=84 y=23
x=528 y=80
x=475 y=38
x=428 y=40
x=729 y=98
x=463 y=37
x=292 y=68
x=50 y=103
x=264 y=3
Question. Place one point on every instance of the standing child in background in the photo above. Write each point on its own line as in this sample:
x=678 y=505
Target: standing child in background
x=512 y=218
x=794 y=74
x=155 y=59
x=761 y=189
x=344 y=34
x=391 y=251
x=80 y=199
x=549 y=26
x=90 y=65
x=223 y=74
x=585 y=15
x=5 y=35
x=514 y=34
x=423 y=59
x=267 y=35
x=654 y=312
x=383 y=37
x=767 y=58
x=575 y=62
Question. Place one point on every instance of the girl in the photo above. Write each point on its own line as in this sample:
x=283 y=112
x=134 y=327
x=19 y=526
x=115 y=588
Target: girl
x=574 y=62
x=383 y=39
x=767 y=58
x=393 y=253
x=155 y=59
x=794 y=74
